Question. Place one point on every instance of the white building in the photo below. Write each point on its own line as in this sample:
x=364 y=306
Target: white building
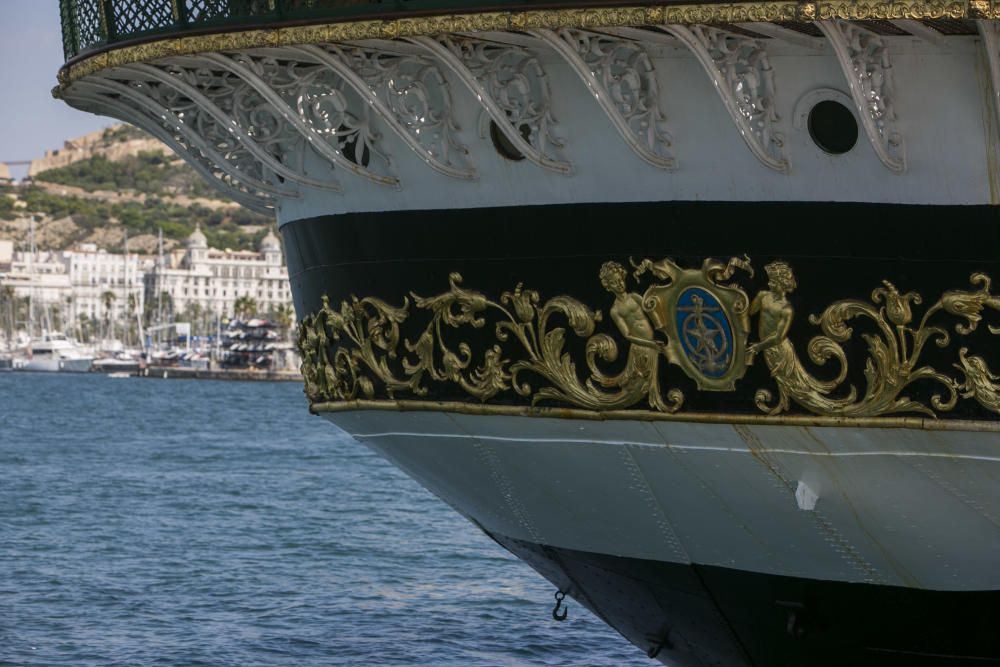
x=99 y=278
x=215 y=279
x=42 y=276
x=76 y=282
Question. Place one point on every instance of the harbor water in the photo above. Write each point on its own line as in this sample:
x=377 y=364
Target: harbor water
x=190 y=522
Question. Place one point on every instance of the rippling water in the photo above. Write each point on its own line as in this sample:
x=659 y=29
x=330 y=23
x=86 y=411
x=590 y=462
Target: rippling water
x=151 y=522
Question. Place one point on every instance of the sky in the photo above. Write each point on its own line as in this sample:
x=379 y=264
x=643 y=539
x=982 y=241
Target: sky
x=30 y=55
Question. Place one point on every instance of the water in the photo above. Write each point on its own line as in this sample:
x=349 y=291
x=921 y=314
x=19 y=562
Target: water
x=152 y=522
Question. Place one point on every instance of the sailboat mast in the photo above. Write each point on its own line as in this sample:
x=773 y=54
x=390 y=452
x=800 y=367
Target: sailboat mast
x=125 y=291
x=31 y=278
x=159 y=278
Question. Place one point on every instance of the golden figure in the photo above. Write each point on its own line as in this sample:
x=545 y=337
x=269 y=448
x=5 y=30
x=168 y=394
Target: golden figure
x=639 y=377
x=775 y=311
x=793 y=380
x=627 y=312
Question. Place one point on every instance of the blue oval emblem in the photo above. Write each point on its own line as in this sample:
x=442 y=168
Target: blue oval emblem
x=704 y=332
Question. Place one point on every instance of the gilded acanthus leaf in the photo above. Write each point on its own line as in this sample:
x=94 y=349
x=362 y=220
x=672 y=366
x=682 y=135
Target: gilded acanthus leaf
x=980 y=382
x=687 y=318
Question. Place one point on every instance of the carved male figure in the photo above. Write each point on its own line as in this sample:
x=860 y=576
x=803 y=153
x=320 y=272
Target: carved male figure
x=776 y=312
x=627 y=312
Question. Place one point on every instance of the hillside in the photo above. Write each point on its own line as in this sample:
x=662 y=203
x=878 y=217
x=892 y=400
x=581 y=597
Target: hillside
x=118 y=181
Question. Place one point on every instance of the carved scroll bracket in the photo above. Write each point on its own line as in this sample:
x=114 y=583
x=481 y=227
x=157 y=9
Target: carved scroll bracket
x=321 y=113
x=510 y=84
x=741 y=72
x=238 y=165
x=213 y=172
x=177 y=88
x=621 y=77
x=414 y=103
x=864 y=58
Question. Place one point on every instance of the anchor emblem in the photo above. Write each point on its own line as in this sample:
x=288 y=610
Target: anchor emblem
x=705 y=334
x=705 y=320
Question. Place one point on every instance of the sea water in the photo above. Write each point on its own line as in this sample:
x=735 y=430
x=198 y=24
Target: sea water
x=186 y=522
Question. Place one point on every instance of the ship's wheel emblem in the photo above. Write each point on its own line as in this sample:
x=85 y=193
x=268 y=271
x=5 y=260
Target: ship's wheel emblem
x=704 y=331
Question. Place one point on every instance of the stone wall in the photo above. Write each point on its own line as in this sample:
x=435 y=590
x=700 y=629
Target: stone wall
x=89 y=145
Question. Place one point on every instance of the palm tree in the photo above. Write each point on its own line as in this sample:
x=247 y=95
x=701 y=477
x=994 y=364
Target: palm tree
x=193 y=313
x=131 y=305
x=86 y=328
x=168 y=306
x=245 y=307
x=283 y=315
x=108 y=299
x=7 y=298
x=68 y=312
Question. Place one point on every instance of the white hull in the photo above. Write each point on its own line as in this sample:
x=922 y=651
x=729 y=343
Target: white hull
x=899 y=507
x=57 y=365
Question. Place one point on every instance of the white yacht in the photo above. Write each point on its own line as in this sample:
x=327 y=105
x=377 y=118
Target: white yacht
x=56 y=353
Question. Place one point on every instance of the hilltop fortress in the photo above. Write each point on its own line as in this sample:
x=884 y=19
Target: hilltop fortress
x=114 y=143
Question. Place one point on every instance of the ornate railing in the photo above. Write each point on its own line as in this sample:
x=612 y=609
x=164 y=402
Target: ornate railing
x=89 y=25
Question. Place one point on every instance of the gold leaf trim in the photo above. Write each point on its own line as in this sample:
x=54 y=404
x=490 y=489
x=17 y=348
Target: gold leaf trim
x=695 y=320
x=801 y=421
x=506 y=21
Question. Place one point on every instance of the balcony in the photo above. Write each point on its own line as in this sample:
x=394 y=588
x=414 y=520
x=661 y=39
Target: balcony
x=91 y=26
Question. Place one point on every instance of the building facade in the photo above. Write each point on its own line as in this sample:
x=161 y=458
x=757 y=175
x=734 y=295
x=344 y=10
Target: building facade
x=88 y=281
x=104 y=283
x=214 y=279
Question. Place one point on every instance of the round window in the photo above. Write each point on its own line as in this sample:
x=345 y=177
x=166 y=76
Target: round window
x=833 y=127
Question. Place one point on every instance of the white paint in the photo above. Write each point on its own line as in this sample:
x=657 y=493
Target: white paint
x=937 y=98
x=903 y=507
x=805 y=497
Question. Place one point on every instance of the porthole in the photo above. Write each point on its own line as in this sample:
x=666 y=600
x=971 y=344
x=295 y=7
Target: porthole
x=833 y=127
x=505 y=146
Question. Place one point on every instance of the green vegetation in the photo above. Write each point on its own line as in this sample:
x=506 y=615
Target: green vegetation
x=6 y=204
x=122 y=133
x=149 y=172
x=158 y=176
x=222 y=228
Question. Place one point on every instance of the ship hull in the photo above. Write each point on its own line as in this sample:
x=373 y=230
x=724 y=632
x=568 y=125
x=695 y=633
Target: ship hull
x=704 y=615
x=722 y=530
x=700 y=545
x=56 y=366
x=721 y=367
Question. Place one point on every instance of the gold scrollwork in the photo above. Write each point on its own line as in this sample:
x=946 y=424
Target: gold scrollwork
x=893 y=352
x=693 y=319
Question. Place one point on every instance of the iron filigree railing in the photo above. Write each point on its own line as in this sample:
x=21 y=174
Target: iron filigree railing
x=89 y=25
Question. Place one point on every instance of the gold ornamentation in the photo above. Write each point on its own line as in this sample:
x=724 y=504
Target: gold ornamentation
x=705 y=321
x=724 y=418
x=347 y=31
x=860 y=11
x=894 y=351
x=979 y=381
x=693 y=319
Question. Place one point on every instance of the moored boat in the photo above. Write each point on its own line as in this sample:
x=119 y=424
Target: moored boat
x=688 y=306
x=55 y=353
